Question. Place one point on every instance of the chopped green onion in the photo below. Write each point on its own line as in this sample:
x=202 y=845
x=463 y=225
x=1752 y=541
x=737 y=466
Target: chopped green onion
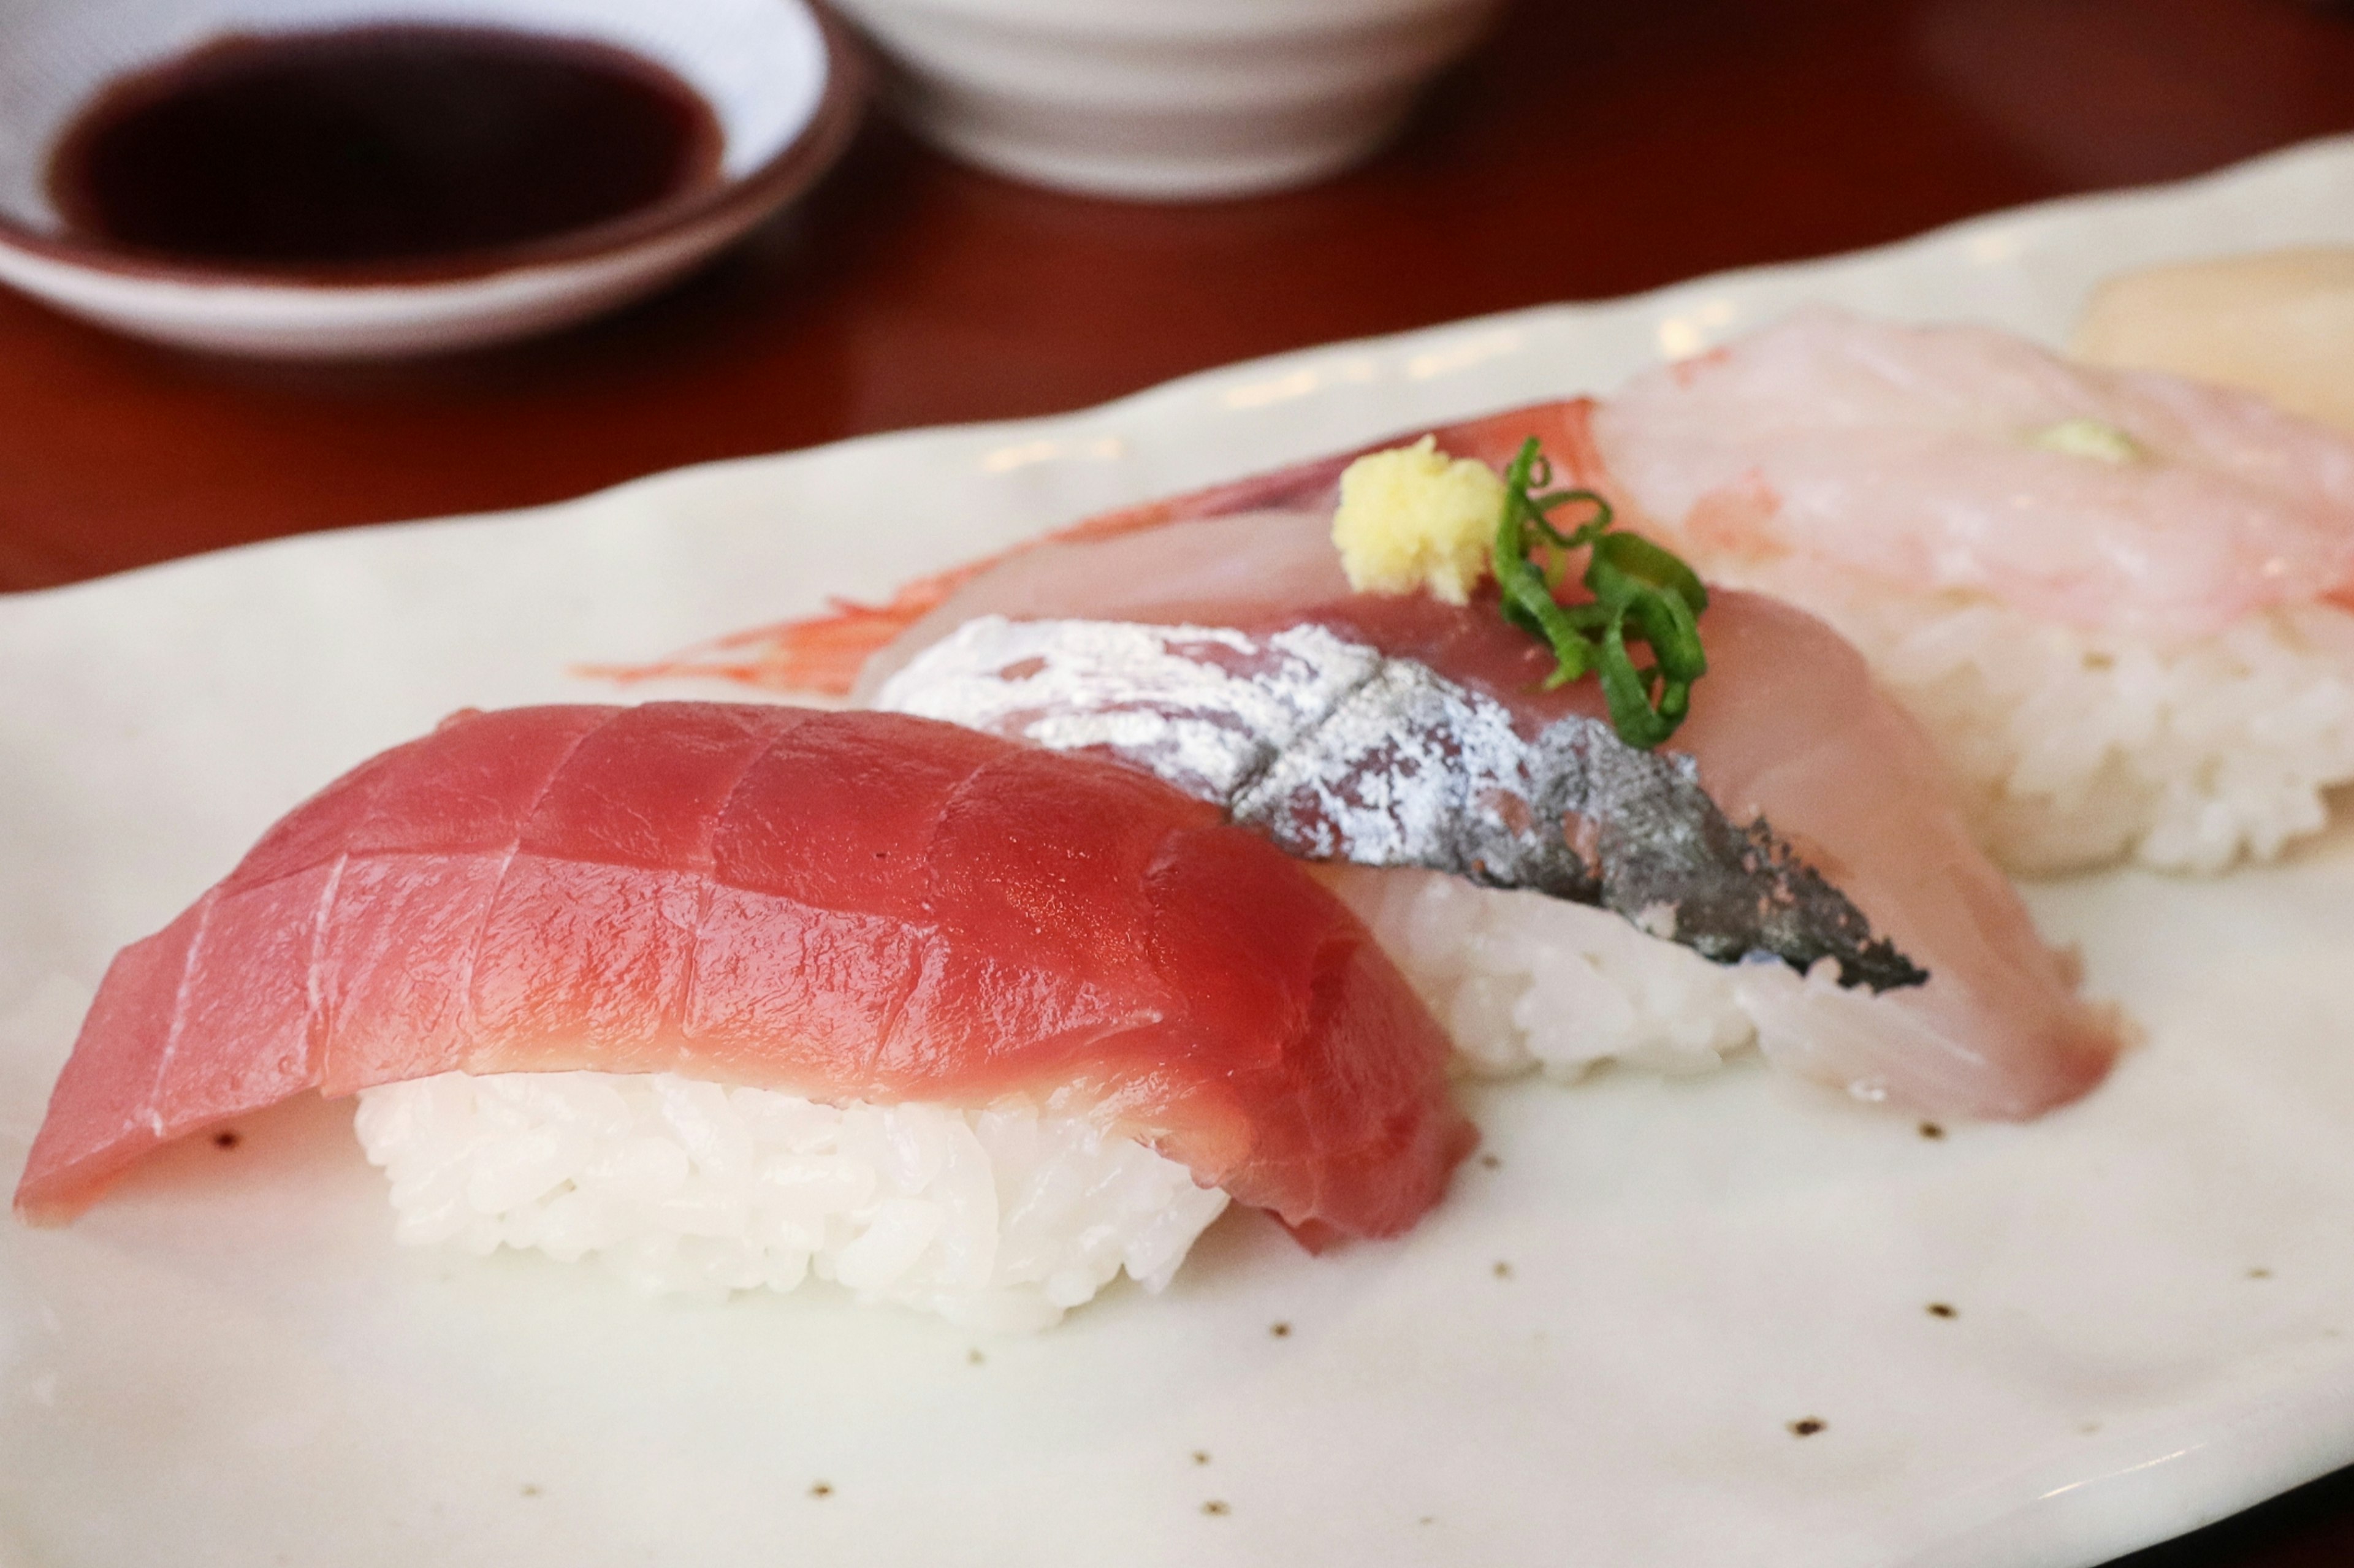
x=1642 y=593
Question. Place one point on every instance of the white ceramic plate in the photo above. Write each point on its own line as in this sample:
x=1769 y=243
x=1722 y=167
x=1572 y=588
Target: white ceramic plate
x=230 y=1362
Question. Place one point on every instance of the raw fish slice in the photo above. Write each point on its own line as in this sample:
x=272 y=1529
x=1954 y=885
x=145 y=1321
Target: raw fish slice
x=1788 y=729
x=2279 y=323
x=839 y=905
x=1792 y=743
x=2119 y=600
x=827 y=654
x=1933 y=460
x=1337 y=751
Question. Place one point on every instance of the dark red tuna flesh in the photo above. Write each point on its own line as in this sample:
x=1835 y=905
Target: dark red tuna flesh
x=855 y=906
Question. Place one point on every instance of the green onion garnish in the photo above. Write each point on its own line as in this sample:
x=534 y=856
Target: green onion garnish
x=1641 y=594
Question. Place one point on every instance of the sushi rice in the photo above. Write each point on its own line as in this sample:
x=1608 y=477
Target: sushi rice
x=2070 y=747
x=1522 y=981
x=998 y=1220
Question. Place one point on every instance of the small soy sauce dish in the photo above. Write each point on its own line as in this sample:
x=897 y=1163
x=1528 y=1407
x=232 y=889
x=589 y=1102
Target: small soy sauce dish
x=367 y=179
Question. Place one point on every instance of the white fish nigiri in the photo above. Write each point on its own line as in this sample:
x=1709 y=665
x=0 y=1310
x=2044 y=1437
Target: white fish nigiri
x=2118 y=600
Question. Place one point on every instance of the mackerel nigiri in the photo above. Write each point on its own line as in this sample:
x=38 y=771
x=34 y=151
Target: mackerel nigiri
x=784 y=921
x=1798 y=787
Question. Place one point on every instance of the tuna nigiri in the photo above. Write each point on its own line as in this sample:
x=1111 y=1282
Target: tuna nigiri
x=694 y=956
x=1941 y=995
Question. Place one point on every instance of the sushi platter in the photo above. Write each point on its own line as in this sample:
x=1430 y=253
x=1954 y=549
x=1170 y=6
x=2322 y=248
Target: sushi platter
x=1681 y=1319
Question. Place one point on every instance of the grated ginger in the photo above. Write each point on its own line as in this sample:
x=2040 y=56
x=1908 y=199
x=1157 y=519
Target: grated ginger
x=1414 y=518
x=2088 y=439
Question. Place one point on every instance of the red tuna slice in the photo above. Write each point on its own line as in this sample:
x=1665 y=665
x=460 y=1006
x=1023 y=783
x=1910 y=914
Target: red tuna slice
x=839 y=905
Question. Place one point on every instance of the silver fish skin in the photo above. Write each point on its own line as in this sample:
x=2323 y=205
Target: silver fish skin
x=1337 y=751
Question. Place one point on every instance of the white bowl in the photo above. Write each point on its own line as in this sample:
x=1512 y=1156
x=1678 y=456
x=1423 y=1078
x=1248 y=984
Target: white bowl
x=785 y=85
x=1165 y=99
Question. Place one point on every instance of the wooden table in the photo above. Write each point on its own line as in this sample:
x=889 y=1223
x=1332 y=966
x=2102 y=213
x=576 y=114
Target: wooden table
x=1591 y=149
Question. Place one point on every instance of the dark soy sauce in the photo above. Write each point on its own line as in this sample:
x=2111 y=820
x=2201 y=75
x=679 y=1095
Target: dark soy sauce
x=377 y=145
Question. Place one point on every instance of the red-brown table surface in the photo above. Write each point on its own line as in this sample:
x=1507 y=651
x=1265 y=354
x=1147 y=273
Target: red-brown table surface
x=1589 y=150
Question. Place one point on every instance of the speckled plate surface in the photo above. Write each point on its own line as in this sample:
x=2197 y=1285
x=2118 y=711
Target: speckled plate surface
x=1594 y=1354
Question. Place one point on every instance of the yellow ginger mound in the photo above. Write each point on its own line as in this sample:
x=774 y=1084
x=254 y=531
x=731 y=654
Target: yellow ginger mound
x=1414 y=517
